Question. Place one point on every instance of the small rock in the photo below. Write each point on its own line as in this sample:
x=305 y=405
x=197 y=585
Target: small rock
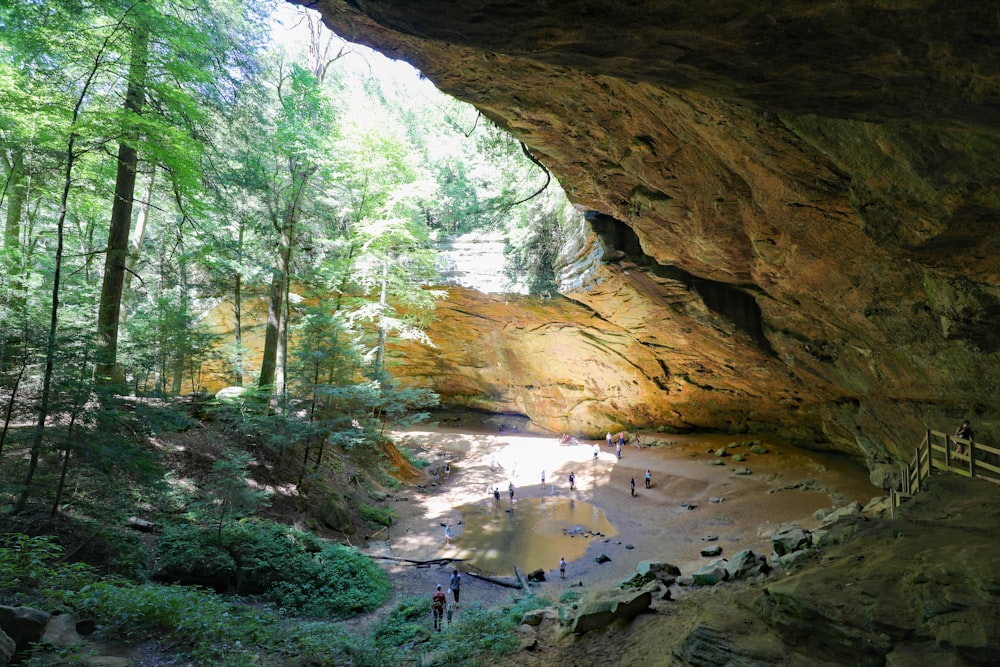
x=714 y=550
x=715 y=500
x=741 y=471
x=717 y=462
x=759 y=449
x=710 y=538
x=739 y=458
x=603 y=558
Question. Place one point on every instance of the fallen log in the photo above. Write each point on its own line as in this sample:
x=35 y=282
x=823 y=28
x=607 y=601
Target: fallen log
x=494 y=580
x=421 y=563
x=521 y=578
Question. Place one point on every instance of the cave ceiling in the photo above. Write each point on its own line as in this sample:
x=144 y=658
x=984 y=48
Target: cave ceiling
x=794 y=205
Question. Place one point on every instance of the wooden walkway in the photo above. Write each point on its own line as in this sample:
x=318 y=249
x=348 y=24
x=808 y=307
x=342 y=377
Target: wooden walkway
x=940 y=451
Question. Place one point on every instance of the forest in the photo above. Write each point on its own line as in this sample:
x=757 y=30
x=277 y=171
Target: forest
x=160 y=158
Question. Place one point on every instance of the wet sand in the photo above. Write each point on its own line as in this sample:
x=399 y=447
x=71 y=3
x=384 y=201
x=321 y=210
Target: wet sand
x=668 y=522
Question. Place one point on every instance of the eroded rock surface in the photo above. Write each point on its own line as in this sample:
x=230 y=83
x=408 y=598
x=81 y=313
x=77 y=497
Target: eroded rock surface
x=798 y=202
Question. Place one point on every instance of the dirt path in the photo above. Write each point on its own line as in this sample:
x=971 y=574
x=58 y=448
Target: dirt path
x=690 y=499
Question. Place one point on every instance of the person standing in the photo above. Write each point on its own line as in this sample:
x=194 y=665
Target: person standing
x=572 y=481
x=447 y=534
x=510 y=489
x=621 y=439
x=619 y=451
x=632 y=484
x=964 y=431
x=608 y=436
x=543 y=478
x=496 y=496
x=438 y=601
x=562 y=568
x=456 y=585
x=649 y=479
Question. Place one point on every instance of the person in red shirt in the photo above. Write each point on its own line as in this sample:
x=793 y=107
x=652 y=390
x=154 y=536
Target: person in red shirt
x=438 y=601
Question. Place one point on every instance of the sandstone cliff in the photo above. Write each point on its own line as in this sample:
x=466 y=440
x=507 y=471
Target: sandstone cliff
x=795 y=204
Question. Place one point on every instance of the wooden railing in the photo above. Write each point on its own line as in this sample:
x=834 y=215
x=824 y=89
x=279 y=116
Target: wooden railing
x=946 y=452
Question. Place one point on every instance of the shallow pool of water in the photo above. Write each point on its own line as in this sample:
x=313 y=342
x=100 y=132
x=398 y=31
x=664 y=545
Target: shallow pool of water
x=532 y=533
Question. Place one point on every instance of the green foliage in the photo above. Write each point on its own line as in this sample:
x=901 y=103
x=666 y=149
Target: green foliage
x=377 y=516
x=292 y=570
x=217 y=632
x=34 y=564
x=569 y=597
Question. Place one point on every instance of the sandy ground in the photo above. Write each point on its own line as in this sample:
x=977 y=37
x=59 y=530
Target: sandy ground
x=668 y=522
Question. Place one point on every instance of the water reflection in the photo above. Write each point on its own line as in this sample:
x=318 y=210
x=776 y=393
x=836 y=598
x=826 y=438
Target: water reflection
x=533 y=533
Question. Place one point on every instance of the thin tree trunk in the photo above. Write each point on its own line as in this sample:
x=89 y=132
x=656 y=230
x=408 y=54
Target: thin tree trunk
x=50 y=346
x=81 y=397
x=11 y=403
x=121 y=220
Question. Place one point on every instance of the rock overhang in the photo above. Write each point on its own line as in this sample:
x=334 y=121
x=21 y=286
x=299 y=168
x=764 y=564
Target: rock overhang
x=828 y=174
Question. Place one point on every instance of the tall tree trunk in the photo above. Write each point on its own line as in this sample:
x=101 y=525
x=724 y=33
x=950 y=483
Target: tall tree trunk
x=275 y=310
x=383 y=301
x=279 y=281
x=136 y=239
x=16 y=193
x=179 y=346
x=238 y=314
x=121 y=219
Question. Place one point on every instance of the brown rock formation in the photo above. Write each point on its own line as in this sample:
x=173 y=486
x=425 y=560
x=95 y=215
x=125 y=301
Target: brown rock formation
x=800 y=200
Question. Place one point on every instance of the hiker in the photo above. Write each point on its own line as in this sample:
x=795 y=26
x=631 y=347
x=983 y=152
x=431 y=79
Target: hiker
x=964 y=431
x=632 y=484
x=510 y=489
x=608 y=436
x=562 y=568
x=619 y=450
x=543 y=478
x=621 y=440
x=455 y=584
x=649 y=479
x=447 y=471
x=438 y=601
x=447 y=534
x=572 y=481
x=496 y=496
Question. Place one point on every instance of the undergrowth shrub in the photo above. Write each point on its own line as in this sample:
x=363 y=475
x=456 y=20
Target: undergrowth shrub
x=212 y=630
x=378 y=516
x=32 y=566
x=292 y=570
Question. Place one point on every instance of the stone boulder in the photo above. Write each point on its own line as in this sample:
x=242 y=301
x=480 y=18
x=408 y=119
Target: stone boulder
x=60 y=631
x=648 y=571
x=335 y=515
x=790 y=539
x=746 y=564
x=602 y=608
x=24 y=625
x=7 y=648
x=711 y=574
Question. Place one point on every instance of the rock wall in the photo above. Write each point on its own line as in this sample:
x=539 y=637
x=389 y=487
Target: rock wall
x=796 y=203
